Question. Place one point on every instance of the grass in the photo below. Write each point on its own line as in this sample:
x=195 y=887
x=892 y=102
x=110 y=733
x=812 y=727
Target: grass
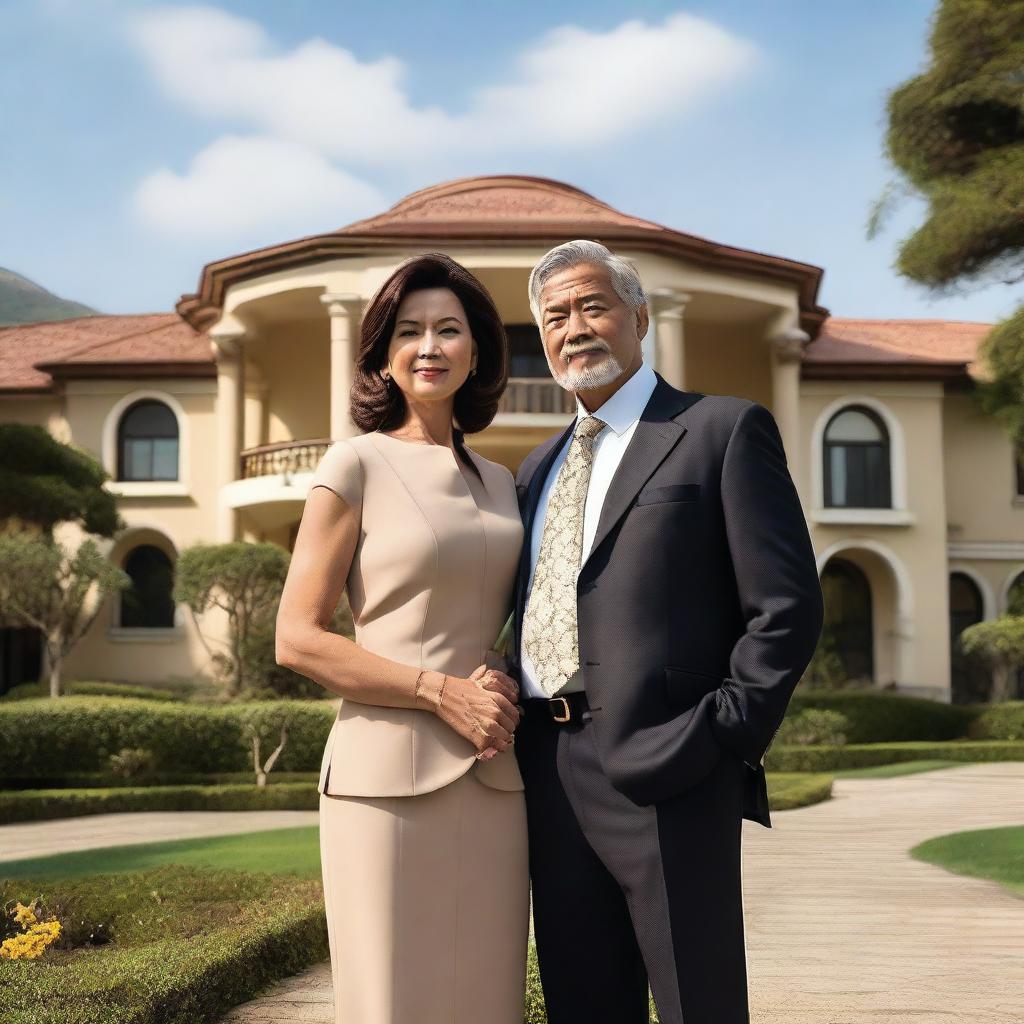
x=996 y=854
x=279 y=851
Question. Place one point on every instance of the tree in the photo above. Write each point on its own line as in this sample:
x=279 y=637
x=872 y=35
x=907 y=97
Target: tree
x=44 y=481
x=43 y=586
x=956 y=135
x=245 y=581
x=1000 y=642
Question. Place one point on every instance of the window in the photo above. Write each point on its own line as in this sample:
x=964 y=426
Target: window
x=148 y=602
x=856 y=460
x=526 y=351
x=1019 y=452
x=147 y=442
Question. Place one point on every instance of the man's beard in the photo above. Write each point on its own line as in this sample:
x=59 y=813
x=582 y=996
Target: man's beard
x=587 y=378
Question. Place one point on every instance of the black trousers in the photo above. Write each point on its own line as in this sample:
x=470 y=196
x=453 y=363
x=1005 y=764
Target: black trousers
x=625 y=895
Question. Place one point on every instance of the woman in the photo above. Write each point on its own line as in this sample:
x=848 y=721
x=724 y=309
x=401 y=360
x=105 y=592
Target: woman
x=422 y=818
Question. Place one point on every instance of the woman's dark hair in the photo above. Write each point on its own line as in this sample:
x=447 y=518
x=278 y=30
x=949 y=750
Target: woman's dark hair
x=375 y=405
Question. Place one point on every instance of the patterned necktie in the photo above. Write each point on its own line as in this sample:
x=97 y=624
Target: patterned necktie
x=550 y=634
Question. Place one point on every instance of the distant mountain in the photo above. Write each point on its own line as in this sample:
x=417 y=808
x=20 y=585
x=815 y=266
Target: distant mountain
x=24 y=302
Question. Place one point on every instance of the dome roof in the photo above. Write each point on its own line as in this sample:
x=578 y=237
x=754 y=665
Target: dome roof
x=502 y=210
x=504 y=203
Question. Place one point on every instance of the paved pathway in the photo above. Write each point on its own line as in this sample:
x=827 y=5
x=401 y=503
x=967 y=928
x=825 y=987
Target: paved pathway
x=842 y=926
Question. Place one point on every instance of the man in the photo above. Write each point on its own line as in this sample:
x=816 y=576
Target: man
x=667 y=603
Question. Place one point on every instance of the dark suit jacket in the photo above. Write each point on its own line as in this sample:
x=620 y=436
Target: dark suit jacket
x=699 y=604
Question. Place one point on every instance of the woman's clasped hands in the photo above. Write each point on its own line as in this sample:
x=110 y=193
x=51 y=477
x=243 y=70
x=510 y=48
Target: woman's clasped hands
x=481 y=709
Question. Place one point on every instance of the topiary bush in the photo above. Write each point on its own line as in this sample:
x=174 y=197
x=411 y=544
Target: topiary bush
x=1000 y=722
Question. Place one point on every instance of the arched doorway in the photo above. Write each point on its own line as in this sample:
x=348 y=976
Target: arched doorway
x=148 y=604
x=21 y=657
x=848 y=627
x=969 y=679
x=1015 y=606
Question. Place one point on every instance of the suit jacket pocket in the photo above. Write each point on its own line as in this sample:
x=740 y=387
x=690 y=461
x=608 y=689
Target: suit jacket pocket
x=684 y=687
x=674 y=492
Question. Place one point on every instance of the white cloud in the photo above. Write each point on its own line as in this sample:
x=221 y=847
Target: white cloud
x=236 y=184
x=580 y=88
x=318 y=104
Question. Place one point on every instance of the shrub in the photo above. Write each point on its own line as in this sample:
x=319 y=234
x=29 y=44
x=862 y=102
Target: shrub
x=78 y=734
x=1000 y=722
x=131 y=762
x=813 y=725
x=876 y=716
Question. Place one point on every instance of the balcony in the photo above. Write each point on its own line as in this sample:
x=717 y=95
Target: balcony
x=536 y=395
x=283 y=457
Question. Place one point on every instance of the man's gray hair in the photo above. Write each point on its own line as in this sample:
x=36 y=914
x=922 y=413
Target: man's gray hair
x=625 y=279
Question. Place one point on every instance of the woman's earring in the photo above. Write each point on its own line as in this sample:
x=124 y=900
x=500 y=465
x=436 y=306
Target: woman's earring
x=472 y=372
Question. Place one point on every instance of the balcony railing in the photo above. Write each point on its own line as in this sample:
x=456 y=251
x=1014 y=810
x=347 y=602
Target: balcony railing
x=523 y=395
x=536 y=394
x=283 y=457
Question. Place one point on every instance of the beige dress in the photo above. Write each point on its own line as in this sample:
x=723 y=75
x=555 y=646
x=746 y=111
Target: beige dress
x=423 y=848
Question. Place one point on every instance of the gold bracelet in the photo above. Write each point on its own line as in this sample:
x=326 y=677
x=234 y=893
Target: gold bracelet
x=416 y=685
x=440 y=694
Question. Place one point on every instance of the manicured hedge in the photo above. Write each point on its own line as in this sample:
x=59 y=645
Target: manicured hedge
x=784 y=790
x=75 y=734
x=30 y=691
x=1000 y=722
x=189 y=944
x=788 y=790
x=862 y=755
x=105 y=780
x=877 y=716
x=45 y=804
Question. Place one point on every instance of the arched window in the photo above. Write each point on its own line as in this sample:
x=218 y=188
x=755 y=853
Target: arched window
x=147 y=442
x=856 y=460
x=148 y=602
x=969 y=677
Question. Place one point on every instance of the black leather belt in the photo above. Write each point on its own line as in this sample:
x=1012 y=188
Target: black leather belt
x=560 y=710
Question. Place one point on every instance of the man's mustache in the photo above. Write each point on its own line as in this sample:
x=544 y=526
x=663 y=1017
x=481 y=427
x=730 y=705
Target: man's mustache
x=568 y=351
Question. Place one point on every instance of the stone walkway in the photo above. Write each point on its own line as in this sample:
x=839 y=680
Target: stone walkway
x=842 y=926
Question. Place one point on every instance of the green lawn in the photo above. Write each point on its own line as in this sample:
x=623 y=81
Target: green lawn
x=279 y=851
x=993 y=853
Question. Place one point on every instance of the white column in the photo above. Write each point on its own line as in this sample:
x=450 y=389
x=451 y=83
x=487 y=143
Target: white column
x=256 y=393
x=226 y=345
x=788 y=347
x=345 y=310
x=667 y=306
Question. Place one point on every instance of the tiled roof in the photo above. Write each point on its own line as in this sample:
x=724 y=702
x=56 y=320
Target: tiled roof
x=507 y=210
x=31 y=355
x=897 y=347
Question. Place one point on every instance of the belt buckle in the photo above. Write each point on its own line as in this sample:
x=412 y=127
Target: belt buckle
x=565 y=705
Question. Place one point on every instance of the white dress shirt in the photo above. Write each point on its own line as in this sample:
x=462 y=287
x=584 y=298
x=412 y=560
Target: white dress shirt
x=621 y=413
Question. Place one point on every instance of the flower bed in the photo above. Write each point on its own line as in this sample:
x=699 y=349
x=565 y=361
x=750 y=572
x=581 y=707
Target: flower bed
x=172 y=945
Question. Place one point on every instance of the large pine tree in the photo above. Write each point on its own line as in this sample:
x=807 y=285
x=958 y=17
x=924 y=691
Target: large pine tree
x=956 y=134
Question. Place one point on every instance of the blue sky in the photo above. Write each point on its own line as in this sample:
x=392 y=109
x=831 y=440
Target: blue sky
x=143 y=140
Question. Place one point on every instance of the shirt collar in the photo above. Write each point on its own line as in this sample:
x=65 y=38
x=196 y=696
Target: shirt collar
x=623 y=409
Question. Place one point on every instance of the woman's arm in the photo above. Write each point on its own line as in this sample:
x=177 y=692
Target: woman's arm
x=320 y=563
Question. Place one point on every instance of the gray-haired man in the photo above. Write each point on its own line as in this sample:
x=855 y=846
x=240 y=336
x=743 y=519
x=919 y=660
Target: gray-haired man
x=667 y=603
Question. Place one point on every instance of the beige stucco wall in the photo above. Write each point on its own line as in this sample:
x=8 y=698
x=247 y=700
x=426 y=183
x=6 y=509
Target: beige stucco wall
x=912 y=639
x=166 y=515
